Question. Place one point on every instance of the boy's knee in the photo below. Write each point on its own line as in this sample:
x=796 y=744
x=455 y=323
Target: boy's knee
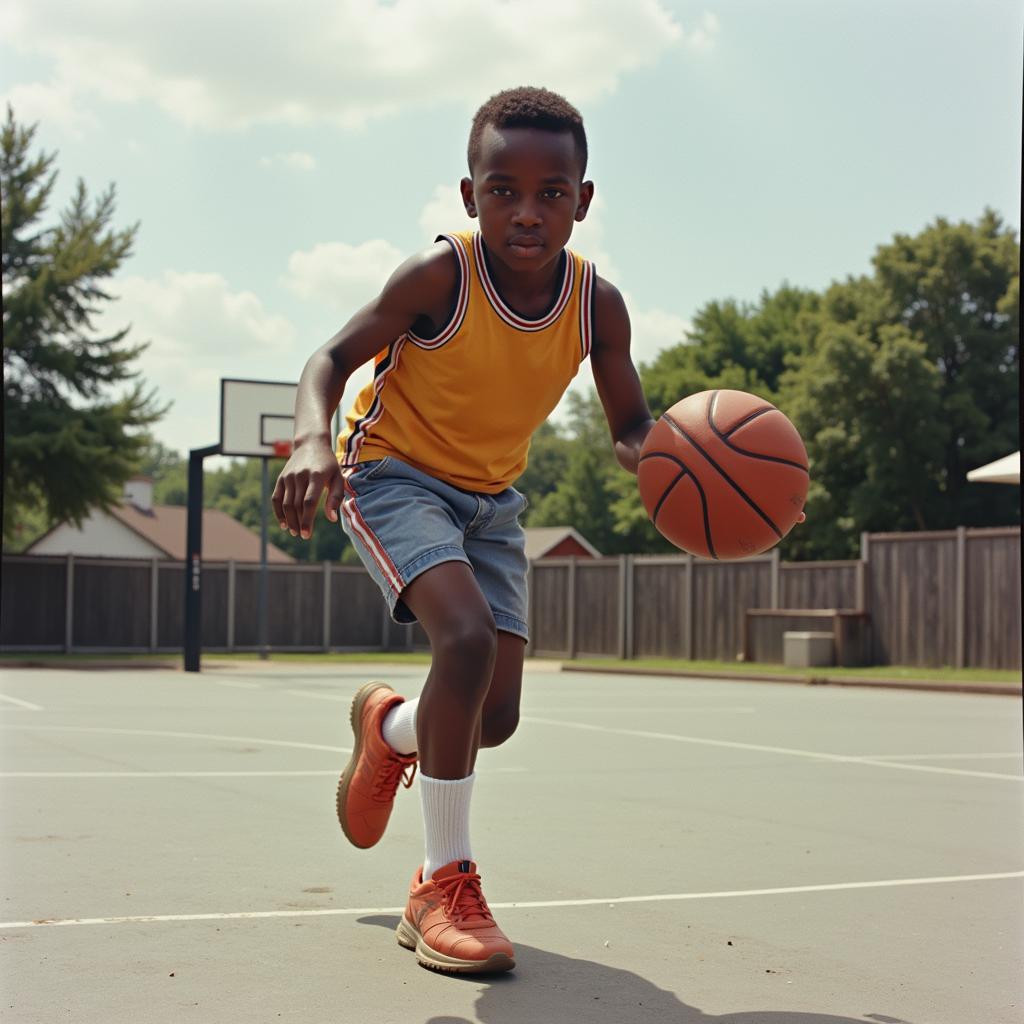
x=498 y=725
x=470 y=639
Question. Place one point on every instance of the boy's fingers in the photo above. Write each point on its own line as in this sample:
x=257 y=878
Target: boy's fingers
x=276 y=500
x=310 y=500
x=335 y=495
x=291 y=519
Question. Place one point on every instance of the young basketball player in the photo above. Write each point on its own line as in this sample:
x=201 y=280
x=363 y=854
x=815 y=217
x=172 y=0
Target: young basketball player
x=475 y=340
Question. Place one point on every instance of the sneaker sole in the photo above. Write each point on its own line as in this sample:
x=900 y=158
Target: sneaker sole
x=409 y=938
x=355 y=717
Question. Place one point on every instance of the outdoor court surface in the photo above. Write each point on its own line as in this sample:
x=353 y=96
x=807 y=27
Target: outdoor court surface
x=658 y=850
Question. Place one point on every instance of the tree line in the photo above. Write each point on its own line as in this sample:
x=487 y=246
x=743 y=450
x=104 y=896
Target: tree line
x=899 y=381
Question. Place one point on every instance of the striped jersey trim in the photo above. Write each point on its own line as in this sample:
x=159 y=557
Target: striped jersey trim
x=381 y=373
x=498 y=304
x=461 y=302
x=587 y=277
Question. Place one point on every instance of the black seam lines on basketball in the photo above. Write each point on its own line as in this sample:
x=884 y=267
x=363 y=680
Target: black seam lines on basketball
x=725 y=476
x=685 y=471
x=724 y=438
x=746 y=419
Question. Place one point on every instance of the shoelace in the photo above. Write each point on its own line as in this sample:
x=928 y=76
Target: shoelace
x=393 y=772
x=464 y=899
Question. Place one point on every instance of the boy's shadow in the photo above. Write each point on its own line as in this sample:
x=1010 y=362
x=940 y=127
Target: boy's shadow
x=547 y=988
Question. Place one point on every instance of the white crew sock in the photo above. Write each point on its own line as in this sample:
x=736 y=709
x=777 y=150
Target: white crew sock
x=445 y=821
x=399 y=727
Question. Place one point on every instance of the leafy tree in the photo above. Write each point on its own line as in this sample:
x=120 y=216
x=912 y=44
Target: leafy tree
x=591 y=485
x=912 y=380
x=72 y=437
x=549 y=459
x=235 y=489
x=733 y=345
x=169 y=472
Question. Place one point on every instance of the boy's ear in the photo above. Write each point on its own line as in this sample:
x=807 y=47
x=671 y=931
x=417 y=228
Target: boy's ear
x=466 y=188
x=586 y=196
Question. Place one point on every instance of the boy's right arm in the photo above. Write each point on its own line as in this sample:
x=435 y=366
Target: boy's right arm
x=421 y=289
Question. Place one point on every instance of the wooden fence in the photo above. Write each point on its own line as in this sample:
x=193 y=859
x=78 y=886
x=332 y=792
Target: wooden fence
x=931 y=599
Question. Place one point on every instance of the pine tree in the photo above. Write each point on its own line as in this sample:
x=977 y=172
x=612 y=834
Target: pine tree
x=73 y=405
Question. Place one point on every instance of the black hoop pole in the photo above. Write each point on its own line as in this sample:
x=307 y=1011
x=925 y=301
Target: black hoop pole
x=194 y=556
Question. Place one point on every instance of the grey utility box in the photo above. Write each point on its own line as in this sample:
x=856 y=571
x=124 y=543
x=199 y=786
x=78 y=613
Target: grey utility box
x=807 y=650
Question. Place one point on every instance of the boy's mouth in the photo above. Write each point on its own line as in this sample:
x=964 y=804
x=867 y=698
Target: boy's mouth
x=526 y=245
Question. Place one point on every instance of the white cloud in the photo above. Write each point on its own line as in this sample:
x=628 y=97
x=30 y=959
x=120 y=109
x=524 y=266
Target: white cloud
x=199 y=330
x=54 y=104
x=443 y=213
x=343 y=276
x=233 y=64
x=653 y=330
x=703 y=37
x=293 y=161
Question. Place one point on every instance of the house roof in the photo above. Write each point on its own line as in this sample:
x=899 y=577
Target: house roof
x=224 y=538
x=541 y=539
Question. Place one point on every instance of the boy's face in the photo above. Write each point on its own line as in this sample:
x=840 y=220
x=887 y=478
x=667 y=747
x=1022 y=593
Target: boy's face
x=527 y=192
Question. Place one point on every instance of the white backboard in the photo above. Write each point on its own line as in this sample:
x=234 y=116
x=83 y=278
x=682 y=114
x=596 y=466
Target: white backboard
x=254 y=414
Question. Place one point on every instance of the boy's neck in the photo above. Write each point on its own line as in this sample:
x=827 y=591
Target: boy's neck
x=530 y=293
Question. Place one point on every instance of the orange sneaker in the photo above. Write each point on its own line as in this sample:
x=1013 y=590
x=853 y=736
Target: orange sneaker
x=366 y=790
x=449 y=925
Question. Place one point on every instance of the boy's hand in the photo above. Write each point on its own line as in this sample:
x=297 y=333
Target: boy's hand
x=311 y=468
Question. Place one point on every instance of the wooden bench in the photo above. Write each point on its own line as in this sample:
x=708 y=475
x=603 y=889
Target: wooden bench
x=763 y=630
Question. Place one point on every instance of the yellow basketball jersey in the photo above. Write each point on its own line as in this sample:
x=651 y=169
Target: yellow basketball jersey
x=463 y=405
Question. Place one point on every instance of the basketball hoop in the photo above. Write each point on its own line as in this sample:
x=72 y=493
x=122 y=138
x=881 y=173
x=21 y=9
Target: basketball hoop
x=282 y=449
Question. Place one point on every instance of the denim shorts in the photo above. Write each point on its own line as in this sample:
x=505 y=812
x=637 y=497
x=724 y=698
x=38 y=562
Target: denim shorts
x=403 y=521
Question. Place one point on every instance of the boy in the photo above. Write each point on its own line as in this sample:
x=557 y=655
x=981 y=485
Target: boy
x=475 y=340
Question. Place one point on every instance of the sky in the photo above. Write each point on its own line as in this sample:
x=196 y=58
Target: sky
x=282 y=159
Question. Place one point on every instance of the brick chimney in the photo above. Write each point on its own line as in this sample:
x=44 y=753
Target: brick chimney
x=139 y=492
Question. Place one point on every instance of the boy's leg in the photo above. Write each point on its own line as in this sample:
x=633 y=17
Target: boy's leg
x=447 y=920
x=463 y=641
x=500 y=715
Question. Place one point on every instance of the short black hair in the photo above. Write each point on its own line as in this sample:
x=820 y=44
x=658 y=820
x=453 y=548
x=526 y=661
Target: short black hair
x=529 y=107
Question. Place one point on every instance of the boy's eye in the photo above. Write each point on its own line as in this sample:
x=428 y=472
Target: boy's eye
x=501 y=190
x=552 y=193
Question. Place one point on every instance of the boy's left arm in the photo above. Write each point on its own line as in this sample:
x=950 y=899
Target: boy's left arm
x=618 y=385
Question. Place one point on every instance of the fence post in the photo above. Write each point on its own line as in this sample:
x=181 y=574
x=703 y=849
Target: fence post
x=688 y=598
x=385 y=633
x=960 y=625
x=327 y=606
x=775 y=579
x=531 y=583
x=69 y=604
x=861 y=593
x=231 y=604
x=625 y=606
x=570 y=617
x=865 y=557
x=154 y=598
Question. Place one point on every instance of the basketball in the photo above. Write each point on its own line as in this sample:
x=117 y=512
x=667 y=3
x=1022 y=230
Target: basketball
x=723 y=474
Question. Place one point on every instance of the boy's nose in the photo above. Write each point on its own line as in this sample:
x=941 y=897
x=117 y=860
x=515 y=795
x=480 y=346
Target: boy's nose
x=526 y=217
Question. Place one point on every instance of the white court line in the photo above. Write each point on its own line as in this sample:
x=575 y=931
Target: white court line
x=794 y=752
x=240 y=683
x=342 y=698
x=180 y=735
x=21 y=703
x=332 y=772
x=160 y=775
x=662 y=709
x=605 y=901
x=943 y=757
